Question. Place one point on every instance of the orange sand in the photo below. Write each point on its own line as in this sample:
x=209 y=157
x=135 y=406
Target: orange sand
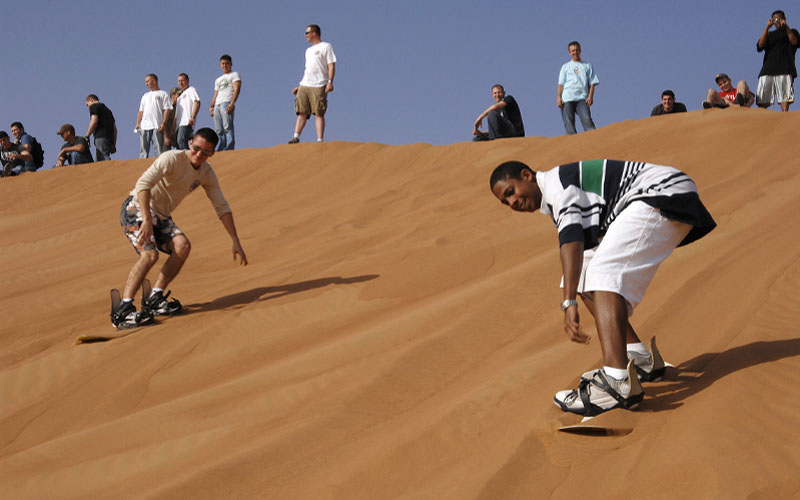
x=397 y=334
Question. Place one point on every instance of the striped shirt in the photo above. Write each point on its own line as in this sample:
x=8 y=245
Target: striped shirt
x=584 y=198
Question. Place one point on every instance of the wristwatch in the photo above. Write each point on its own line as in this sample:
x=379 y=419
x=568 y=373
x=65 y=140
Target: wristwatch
x=565 y=304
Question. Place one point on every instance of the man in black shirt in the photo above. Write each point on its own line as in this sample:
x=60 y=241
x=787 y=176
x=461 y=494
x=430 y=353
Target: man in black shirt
x=776 y=80
x=504 y=118
x=75 y=150
x=668 y=105
x=103 y=126
x=12 y=156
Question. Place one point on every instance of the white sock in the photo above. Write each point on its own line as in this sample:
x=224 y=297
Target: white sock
x=155 y=291
x=616 y=373
x=319 y=140
x=127 y=300
x=296 y=136
x=638 y=348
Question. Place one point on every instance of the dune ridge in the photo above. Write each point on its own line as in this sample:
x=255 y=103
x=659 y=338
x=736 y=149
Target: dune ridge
x=397 y=333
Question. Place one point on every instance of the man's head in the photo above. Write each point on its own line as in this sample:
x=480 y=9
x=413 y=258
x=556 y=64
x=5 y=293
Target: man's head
x=17 y=129
x=67 y=132
x=202 y=146
x=668 y=100
x=5 y=141
x=778 y=19
x=91 y=99
x=226 y=63
x=514 y=184
x=313 y=33
x=183 y=81
x=151 y=80
x=724 y=82
x=574 y=50
x=498 y=92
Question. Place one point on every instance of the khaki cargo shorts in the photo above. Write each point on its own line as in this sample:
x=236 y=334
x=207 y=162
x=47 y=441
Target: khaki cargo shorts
x=311 y=100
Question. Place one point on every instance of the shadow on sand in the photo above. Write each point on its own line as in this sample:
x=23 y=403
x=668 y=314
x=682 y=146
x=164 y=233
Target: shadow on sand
x=696 y=374
x=273 y=292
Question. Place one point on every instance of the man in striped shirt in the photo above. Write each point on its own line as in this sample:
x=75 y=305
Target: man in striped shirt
x=617 y=221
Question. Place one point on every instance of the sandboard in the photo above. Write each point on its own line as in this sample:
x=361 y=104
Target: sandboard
x=89 y=338
x=619 y=422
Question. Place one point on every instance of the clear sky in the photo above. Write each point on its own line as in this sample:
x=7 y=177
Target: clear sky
x=409 y=71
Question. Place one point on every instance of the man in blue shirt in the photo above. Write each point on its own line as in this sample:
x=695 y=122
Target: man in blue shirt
x=576 y=83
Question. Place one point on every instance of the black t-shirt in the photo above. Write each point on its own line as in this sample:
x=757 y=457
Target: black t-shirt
x=85 y=156
x=105 y=120
x=511 y=111
x=678 y=107
x=779 y=54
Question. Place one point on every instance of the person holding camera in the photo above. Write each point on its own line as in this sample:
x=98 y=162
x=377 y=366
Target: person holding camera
x=776 y=80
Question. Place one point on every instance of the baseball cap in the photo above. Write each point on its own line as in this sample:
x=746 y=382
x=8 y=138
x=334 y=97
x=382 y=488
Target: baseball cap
x=720 y=76
x=66 y=128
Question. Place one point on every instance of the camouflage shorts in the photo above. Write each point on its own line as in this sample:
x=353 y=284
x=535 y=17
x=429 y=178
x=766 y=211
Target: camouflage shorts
x=130 y=218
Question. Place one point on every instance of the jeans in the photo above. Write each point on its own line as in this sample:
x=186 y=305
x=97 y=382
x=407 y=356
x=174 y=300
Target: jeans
x=184 y=136
x=146 y=137
x=223 y=125
x=568 y=114
x=500 y=126
x=102 y=148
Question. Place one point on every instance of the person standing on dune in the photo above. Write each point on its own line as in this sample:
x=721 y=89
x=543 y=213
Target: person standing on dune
x=317 y=83
x=776 y=79
x=617 y=221
x=146 y=219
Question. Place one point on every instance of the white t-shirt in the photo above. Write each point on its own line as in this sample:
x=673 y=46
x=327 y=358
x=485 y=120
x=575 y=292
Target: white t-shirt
x=184 y=105
x=152 y=106
x=223 y=86
x=318 y=56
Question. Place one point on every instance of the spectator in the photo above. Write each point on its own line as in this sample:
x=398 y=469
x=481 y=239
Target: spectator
x=12 y=156
x=170 y=128
x=316 y=84
x=503 y=118
x=576 y=83
x=31 y=145
x=103 y=126
x=151 y=119
x=226 y=92
x=776 y=80
x=75 y=150
x=186 y=111
x=668 y=105
x=729 y=96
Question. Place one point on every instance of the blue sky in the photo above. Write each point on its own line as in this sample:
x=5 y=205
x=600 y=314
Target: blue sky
x=411 y=71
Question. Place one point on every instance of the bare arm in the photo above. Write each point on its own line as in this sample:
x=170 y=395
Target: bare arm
x=571 y=266
x=92 y=125
x=499 y=105
x=213 y=103
x=139 y=119
x=195 y=110
x=237 y=87
x=763 y=40
x=146 y=229
x=559 y=102
x=590 y=99
x=331 y=74
x=790 y=32
x=227 y=221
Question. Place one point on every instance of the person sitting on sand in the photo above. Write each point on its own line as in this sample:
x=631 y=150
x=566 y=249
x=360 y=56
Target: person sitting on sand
x=728 y=95
x=668 y=105
x=12 y=156
x=503 y=117
x=617 y=221
x=146 y=219
x=75 y=150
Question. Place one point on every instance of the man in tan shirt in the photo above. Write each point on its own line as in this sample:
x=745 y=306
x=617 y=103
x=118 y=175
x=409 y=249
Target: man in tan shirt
x=162 y=187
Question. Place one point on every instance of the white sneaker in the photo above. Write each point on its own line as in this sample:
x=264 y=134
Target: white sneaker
x=602 y=393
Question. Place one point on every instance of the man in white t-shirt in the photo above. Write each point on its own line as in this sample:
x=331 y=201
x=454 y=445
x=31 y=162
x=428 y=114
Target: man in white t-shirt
x=150 y=121
x=226 y=92
x=317 y=82
x=186 y=110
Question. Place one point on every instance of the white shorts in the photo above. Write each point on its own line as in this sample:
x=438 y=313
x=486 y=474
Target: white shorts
x=629 y=254
x=774 y=89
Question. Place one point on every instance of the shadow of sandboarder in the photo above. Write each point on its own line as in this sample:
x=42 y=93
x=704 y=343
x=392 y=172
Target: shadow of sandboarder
x=699 y=373
x=273 y=292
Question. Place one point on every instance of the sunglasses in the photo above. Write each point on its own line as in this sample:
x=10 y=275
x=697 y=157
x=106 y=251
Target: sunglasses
x=202 y=151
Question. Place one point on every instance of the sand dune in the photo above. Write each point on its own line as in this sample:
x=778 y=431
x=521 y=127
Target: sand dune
x=397 y=334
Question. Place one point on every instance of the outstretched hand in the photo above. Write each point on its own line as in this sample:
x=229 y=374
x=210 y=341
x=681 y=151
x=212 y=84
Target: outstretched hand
x=238 y=250
x=572 y=326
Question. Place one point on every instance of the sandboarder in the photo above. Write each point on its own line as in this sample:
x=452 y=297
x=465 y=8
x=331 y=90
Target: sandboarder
x=147 y=223
x=617 y=221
